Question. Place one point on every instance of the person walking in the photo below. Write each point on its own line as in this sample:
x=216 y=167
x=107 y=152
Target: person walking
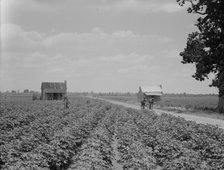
x=66 y=102
x=143 y=103
x=151 y=102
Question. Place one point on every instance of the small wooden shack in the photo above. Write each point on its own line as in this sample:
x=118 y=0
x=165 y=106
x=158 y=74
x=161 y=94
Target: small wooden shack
x=53 y=90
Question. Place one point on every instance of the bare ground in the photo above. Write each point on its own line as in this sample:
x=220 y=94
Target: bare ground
x=115 y=161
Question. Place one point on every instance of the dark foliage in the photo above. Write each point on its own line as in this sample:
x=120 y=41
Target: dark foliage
x=205 y=47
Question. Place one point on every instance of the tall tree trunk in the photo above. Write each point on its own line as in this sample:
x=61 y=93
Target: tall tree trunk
x=221 y=105
x=221 y=92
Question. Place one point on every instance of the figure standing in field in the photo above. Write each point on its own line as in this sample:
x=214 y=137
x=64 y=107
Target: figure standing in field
x=66 y=102
x=151 y=102
x=143 y=103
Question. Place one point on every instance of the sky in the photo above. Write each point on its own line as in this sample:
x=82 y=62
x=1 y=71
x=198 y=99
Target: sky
x=97 y=45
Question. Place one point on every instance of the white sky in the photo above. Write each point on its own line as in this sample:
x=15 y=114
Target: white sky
x=99 y=45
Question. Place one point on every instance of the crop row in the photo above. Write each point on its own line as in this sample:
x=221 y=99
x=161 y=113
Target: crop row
x=51 y=138
x=133 y=153
x=92 y=134
x=180 y=144
x=97 y=151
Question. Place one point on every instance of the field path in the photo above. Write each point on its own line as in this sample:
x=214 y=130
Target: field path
x=198 y=119
x=116 y=165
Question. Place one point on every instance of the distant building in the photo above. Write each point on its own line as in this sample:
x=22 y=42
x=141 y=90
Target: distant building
x=148 y=92
x=53 y=90
x=151 y=90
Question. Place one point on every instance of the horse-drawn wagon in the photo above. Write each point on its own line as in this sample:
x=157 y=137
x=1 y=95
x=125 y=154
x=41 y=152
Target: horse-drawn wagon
x=148 y=95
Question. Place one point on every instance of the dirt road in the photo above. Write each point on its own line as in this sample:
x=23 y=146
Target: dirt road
x=198 y=119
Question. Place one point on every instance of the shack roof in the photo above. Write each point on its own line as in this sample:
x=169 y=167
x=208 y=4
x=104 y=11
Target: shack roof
x=53 y=85
x=152 y=90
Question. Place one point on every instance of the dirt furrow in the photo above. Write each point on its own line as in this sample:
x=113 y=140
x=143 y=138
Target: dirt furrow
x=116 y=164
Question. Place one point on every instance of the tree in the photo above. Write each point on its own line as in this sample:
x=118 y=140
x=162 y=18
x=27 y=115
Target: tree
x=13 y=91
x=205 y=47
x=26 y=91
